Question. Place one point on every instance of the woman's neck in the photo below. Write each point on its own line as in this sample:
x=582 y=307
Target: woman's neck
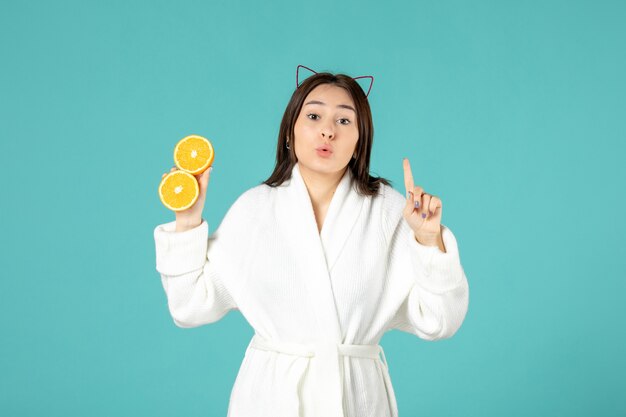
x=321 y=187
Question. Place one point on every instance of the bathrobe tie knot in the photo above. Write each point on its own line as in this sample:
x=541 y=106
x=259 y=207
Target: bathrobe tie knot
x=326 y=369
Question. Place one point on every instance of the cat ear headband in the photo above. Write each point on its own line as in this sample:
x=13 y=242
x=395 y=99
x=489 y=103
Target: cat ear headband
x=355 y=78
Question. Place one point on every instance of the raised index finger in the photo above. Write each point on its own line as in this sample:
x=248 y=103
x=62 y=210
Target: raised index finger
x=408 y=176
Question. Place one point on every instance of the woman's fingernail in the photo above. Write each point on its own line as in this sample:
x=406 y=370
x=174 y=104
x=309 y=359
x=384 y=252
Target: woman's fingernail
x=417 y=204
x=423 y=215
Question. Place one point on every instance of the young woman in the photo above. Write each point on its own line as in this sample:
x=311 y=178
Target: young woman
x=321 y=259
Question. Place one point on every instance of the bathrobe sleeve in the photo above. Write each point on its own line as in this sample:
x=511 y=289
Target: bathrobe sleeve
x=436 y=302
x=196 y=270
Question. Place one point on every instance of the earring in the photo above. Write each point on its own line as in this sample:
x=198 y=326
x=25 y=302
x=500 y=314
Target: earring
x=287 y=144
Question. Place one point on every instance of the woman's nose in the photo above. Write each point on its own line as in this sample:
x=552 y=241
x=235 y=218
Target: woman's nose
x=328 y=132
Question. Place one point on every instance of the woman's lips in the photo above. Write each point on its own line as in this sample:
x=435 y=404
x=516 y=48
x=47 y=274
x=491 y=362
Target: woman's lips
x=324 y=153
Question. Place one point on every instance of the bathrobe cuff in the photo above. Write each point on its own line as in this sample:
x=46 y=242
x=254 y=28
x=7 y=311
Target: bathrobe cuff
x=437 y=271
x=178 y=253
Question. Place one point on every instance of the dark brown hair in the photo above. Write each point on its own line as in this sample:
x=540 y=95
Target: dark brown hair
x=359 y=166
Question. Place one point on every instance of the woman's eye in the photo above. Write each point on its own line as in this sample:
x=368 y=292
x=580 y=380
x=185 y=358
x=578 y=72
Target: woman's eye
x=314 y=116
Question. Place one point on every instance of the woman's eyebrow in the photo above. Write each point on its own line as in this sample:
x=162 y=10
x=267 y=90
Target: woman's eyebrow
x=343 y=106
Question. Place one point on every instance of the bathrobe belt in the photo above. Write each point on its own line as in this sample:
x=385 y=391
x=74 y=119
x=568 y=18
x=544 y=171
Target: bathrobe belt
x=326 y=372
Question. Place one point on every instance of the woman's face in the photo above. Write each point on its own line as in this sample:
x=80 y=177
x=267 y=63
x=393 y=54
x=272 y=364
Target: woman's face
x=326 y=130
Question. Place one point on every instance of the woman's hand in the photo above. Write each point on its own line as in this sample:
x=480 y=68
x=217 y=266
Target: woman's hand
x=192 y=217
x=422 y=212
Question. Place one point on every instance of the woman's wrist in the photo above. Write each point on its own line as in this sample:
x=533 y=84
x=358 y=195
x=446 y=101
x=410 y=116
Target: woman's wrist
x=184 y=225
x=436 y=240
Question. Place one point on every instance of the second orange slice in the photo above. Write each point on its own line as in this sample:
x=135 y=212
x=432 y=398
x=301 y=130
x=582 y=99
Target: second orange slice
x=179 y=190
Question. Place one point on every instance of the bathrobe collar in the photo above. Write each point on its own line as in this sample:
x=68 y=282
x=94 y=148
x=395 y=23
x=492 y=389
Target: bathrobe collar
x=317 y=252
x=314 y=255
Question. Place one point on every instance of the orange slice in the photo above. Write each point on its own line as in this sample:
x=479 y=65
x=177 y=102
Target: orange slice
x=179 y=190
x=193 y=154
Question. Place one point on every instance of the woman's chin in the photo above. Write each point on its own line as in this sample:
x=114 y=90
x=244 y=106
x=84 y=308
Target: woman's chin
x=322 y=166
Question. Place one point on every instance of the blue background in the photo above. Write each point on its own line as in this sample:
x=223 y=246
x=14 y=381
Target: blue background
x=513 y=113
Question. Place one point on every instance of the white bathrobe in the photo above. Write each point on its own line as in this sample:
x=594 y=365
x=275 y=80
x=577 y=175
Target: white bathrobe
x=319 y=303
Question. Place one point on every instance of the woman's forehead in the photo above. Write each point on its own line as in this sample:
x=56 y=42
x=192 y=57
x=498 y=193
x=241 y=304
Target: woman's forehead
x=329 y=94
